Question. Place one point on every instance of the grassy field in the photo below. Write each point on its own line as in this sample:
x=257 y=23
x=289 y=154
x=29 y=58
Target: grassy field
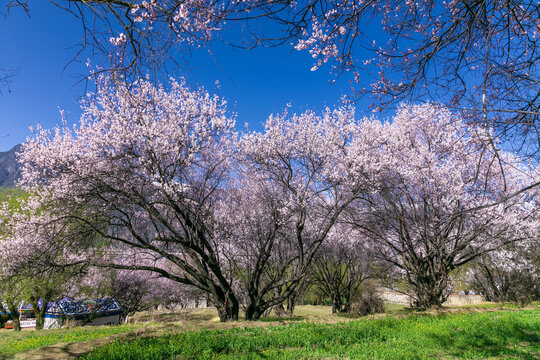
x=477 y=335
x=481 y=331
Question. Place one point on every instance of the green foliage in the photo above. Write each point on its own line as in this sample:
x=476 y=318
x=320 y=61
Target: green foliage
x=13 y=197
x=498 y=334
x=12 y=342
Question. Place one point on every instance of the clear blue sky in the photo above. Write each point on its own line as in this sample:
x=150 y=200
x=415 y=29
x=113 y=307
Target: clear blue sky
x=256 y=83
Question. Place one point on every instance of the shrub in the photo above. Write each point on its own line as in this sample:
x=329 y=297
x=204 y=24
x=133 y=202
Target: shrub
x=369 y=303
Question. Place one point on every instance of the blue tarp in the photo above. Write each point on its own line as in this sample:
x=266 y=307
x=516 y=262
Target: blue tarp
x=80 y=309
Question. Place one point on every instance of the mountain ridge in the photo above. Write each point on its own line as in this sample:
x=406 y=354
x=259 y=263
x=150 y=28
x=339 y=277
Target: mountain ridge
x=10 y=170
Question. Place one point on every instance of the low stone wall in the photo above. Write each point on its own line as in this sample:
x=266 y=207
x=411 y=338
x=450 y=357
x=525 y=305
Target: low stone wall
x=393 y=297
x=187 y=304
x=453 y=300
x=459 y=300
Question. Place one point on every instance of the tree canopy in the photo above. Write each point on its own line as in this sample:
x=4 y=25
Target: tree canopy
x=170 y=187
x=478 y=57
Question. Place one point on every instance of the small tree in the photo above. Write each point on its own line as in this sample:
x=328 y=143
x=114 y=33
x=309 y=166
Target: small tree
x=508 y=275
x=340 y=268
x=139 y=290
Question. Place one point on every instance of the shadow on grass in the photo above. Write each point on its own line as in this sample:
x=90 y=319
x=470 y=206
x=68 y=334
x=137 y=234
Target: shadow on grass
x=199 y=317
x=510 y=341
x=282 y=319
x=402 y=310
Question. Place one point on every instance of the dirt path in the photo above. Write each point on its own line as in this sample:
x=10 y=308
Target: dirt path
x=65 y=351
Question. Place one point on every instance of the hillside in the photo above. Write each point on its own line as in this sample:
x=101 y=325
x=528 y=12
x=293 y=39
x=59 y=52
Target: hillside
x=9 y=168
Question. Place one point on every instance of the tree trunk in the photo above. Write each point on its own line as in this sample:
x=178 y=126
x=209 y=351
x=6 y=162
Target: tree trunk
x=16 y=323
x=228 y=308
x=229 y=313
x=12 y=307
x=39 y=313
x=279 y=310
x=253 y=311
x=346 y=306
x=348 y=293
x=336 y=304
x=430 y=291
x=336 y=299
x=291 y=303
x=427 y=300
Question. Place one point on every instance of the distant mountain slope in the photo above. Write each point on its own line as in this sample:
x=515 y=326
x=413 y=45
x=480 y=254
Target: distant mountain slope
x=9 y=168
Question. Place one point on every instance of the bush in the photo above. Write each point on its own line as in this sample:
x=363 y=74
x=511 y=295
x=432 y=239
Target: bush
x=369 y=303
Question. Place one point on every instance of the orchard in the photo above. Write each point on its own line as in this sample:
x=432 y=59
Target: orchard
x=155 y=196
x=157 y=180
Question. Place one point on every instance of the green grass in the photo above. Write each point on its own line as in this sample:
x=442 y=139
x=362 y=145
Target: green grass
x=280 y=319
x=14 y=342
x=503 y=334
x=397 y=309
x=492 y=305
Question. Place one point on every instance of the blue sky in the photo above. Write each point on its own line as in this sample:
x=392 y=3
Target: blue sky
x=256 y=83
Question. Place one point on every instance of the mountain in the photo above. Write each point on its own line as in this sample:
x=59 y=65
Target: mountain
x=9 y=168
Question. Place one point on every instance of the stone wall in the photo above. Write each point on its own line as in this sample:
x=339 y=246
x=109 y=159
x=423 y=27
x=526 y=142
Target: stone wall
x=459 y=300
x=187 y=304
x=393 y=297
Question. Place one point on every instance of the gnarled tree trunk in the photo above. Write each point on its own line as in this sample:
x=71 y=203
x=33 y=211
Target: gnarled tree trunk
x=430 y=290
x=227 y=305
